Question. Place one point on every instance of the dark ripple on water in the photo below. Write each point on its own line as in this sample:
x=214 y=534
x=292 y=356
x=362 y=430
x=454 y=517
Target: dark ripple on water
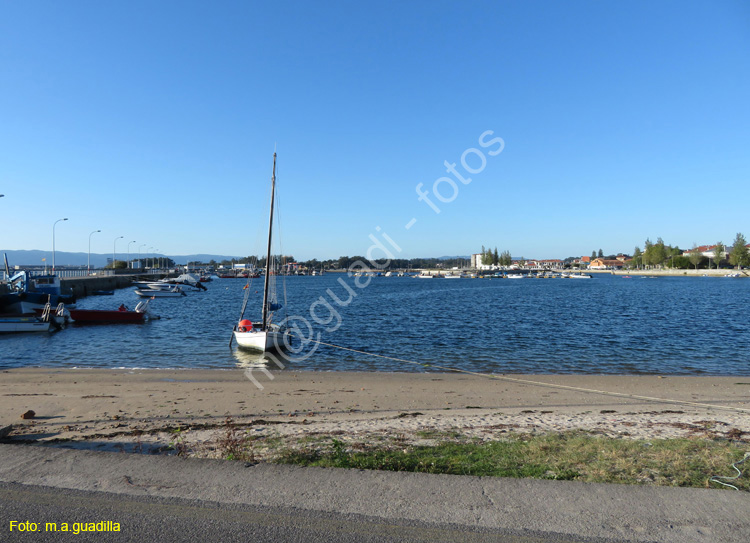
x=608 y=325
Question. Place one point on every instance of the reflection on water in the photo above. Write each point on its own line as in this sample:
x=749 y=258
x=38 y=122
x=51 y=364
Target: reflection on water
x=247 y=358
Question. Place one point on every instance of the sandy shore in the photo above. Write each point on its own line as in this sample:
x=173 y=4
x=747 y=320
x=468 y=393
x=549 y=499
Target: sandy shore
x=141 y=409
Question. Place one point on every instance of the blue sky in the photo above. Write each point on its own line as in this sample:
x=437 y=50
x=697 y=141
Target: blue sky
x=157 y=121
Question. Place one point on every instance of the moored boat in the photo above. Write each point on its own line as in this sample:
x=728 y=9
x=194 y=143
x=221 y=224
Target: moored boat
x=172 y=292
x=263 y=335
x=25 y=292
x=23 y=323
x=117 y=316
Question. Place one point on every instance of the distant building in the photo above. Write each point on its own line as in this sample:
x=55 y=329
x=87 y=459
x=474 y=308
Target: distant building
x=476 y=262
x=707 y=251
x=550 y=264
x=606 y=264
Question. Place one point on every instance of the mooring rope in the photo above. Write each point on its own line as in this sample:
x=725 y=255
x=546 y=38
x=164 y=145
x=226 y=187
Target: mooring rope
x=539 y=383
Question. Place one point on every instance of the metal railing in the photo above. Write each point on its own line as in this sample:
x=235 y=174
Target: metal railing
x=83 y=272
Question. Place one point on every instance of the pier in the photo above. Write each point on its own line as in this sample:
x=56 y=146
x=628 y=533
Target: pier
x=84 y=286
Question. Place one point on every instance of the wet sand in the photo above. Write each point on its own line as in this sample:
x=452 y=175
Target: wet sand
x=142 y=409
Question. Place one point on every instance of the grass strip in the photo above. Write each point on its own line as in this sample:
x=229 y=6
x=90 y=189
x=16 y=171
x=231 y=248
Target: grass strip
x=685 y=462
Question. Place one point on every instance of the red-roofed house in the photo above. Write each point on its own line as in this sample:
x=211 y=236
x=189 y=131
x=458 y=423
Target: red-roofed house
x=707 y=251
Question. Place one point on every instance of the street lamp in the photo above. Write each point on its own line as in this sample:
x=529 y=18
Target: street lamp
x=53 y=242
x=140 y=263
x=129 y=252
x=114 y=245
x=147 y=258
x=88 y=262
x=156 y=262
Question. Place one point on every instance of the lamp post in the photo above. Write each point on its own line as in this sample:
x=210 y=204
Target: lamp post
x=140 y=263
x=147 y=258
x=53 y=242
x=114 y=252
x=156 y=261
x=88 y=262
x=129 y=252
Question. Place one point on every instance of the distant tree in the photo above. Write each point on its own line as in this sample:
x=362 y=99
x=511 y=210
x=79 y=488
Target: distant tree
x=658 y=253
x=648 y=252
x=672 y=254
x=495 y=258
x=739 y=255
x=637 y=257
x=600 y=254
x=680 y=262
x=593 y=255
x=718 y=251
x=486 y=256
x=695 y=256
x=506 y=259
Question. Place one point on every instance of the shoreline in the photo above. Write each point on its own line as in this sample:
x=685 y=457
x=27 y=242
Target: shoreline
x=147 y=410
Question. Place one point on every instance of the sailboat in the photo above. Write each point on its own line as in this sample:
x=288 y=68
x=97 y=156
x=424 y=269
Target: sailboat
x=263 y=335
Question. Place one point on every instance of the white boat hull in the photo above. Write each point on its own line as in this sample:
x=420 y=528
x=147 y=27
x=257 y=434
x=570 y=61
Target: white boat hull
x=154 y=293
x=269 y=340
x=23 y=325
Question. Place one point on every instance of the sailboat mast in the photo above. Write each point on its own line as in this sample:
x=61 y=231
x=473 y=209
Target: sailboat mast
x=266 y=282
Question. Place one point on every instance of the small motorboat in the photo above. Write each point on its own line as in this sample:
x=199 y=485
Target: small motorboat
x=23 y=323
x=172 y=292
x=42 y=320
x=122 y=315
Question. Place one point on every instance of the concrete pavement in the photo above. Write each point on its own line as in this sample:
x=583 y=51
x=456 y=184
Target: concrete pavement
x=616 y=512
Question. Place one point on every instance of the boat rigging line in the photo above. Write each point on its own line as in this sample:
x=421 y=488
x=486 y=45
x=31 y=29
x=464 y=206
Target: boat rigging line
x=537 y=383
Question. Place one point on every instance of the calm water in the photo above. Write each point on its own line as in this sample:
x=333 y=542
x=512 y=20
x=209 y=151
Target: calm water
x=608 y=324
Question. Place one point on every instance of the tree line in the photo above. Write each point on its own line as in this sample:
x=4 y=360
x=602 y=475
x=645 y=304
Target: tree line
x=493 y=258
x=660 y=255
x=654 y=254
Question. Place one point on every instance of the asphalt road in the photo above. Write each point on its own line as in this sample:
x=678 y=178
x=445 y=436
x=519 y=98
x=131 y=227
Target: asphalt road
x=155 y=519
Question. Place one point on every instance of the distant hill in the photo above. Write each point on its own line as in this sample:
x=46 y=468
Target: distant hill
x=62 y=258
x=453 y=257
